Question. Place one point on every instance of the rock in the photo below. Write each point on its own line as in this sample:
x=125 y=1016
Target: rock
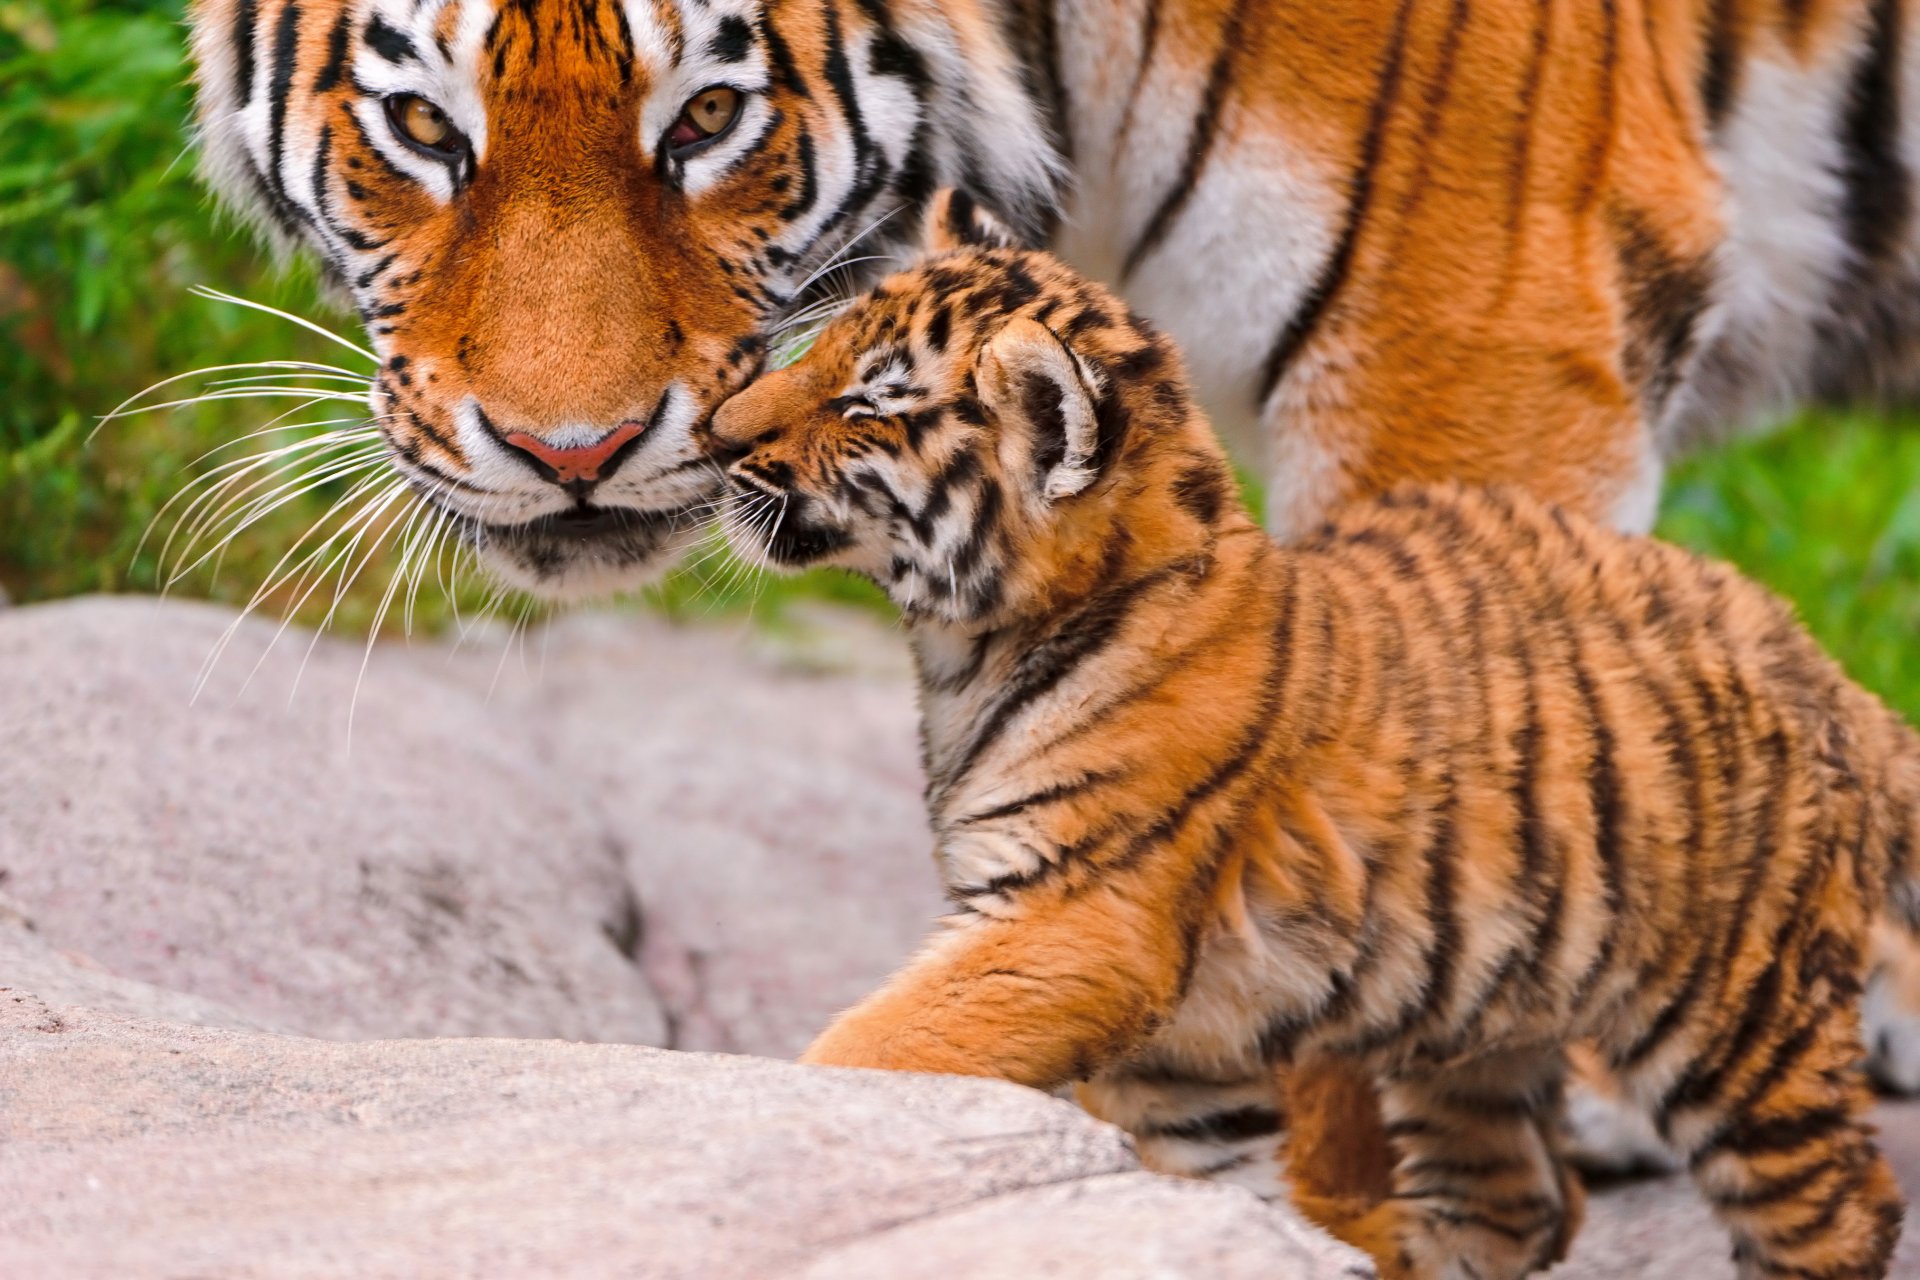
x=772 y=820
x=70 y=978
x=437 y=874
x=131 y=1147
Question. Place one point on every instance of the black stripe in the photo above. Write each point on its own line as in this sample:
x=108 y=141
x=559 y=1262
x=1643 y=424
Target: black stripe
x=1038 y=799
x=732 y=41
x=245 y=19
x=332 y=71
x=1763 y=1193
x=1879 y=188
x=1606 y=798
x=1200 y=136
x=1433 y=108
x=809 y=179
x=1665 y=297
x=322 y=158
x=1796 y=13
x=1536 y=838
x=623 y=56
x=1603 y=122
x=1720 y=77
x=286 y=50
x=375 y=271
x=1253 y=741
x=780 y=57
x=1526 y=116
x=393 y=45
x=1703 y=1079
x=1241 y=1124
x=1070 y=642
x=1777 y=1135
x=1359 y=199
x=961 y=468
x=1669 y=1019
x=1443 y=949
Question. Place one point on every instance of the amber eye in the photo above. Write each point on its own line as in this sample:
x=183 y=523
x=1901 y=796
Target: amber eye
x=704 y=118
x=426 y=126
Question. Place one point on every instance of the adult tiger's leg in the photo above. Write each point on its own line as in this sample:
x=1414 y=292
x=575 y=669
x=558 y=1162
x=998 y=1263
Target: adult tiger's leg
x=1192 y=1126
x=1481 y=1186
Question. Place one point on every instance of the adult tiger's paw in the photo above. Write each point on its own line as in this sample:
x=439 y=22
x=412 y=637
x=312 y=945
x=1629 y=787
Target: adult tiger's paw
x=1890 y=1012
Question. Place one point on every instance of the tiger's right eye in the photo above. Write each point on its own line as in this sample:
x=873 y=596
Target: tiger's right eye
x=425 y=126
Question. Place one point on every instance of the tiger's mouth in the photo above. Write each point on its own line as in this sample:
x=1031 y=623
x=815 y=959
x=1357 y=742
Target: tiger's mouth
x=590 y=549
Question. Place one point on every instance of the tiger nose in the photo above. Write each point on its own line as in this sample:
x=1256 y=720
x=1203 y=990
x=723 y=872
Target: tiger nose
x=580 y=464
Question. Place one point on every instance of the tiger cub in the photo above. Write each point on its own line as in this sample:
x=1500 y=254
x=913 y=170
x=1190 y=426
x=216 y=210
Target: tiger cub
x=1457 y=781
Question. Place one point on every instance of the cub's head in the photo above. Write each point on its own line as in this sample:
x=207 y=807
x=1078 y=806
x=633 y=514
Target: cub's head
x=573 y=227
x=980 y=435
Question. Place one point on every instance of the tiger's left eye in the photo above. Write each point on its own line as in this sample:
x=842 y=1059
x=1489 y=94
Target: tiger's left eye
x=425 y=125
x=707 y=115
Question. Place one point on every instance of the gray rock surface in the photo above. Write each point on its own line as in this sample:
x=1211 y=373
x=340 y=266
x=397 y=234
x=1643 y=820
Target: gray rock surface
x=772 y=820
x=443 y=876
x=138 y=1148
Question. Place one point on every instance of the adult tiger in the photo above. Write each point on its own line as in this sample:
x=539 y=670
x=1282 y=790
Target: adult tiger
x=1545 y=241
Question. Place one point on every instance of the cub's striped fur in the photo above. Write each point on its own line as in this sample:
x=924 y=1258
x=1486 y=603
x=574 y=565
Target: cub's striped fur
x=1453 y=782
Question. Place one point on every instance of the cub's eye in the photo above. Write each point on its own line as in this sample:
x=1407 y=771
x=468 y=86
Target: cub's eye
x=424 y=126
x=707 y=115
x=851 y=406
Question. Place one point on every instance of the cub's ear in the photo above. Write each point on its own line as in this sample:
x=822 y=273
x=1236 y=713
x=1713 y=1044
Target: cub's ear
x=1047 y=396
x=955 y=220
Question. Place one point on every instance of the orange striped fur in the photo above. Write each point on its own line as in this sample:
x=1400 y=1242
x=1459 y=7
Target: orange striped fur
x=1456 y=781
x=1537 y=242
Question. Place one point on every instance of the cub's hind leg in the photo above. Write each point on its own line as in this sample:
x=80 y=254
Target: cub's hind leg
x=1774 y=1134
x=1481 y=1188
x=1192 y=1126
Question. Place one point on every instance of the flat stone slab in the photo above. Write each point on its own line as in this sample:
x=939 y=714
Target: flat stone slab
x=138 y=1148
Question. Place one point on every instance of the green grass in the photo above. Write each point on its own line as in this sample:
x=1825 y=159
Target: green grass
x=103 y=231
x=1827 y=513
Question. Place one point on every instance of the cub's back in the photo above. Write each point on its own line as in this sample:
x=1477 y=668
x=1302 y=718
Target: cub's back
x=1554 y=684
x=1478 y=578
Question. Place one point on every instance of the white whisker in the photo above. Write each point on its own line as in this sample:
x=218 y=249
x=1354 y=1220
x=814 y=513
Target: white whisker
x=215 y=294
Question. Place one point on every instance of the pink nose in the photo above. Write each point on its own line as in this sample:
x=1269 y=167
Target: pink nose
x=572 y=466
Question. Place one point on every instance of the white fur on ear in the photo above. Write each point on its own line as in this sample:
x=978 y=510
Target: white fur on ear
x=1028 y=375
x=955 y=220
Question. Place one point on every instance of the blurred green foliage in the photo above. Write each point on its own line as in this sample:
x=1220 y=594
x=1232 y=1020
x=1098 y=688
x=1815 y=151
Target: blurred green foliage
x=103 y=231
x=1827 y=513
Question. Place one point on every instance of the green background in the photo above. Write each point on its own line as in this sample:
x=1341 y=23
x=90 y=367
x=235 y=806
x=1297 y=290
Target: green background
x=103 y=232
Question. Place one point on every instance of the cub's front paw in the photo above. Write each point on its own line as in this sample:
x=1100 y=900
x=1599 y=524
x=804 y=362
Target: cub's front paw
x=835 y=1050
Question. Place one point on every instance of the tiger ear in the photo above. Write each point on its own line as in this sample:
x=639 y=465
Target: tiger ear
x=955 y=220
x=1027 y=376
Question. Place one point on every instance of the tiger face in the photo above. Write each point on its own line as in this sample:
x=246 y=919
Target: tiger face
x=955 y=434
x=573 y=227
